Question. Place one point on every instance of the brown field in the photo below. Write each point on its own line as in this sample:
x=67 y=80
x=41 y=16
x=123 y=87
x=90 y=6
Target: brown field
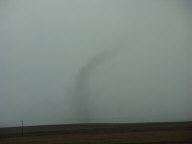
x=147 y=133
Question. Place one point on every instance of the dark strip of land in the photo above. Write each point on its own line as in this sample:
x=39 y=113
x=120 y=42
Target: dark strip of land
x=170 y=132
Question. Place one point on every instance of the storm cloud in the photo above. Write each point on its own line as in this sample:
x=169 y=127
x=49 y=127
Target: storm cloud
x=84 y=61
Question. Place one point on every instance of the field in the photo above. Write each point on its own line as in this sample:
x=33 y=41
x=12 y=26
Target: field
x=147 y=133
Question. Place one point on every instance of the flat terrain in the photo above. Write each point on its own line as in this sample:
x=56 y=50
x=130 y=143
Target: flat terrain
x=146 y=133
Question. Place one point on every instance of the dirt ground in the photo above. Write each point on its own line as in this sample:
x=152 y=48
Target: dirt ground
x=159 y=137
x=151 y=133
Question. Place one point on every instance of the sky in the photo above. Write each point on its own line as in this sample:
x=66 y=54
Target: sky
x=94 y=61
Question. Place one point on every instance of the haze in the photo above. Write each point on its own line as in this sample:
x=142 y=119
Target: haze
x=92 y=61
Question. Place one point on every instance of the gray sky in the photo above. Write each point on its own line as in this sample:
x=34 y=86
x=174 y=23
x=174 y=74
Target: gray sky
x=72 y=61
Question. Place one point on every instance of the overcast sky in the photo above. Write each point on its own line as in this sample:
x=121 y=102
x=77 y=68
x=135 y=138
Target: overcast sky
x=73 y=61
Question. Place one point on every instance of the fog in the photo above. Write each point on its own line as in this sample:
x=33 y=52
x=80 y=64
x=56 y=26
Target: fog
x=95 y=61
